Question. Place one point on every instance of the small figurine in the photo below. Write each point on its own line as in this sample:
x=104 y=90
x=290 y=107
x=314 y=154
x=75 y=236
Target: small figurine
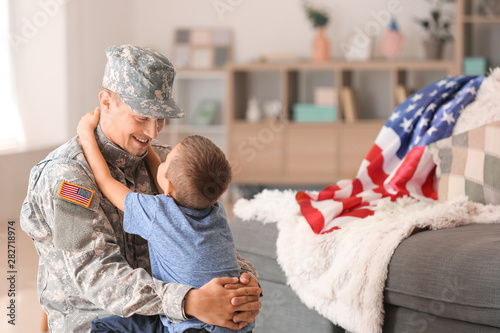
x=253 y=113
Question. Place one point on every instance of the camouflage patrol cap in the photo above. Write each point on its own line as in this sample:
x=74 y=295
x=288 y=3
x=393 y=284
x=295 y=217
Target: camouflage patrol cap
x=143 y=78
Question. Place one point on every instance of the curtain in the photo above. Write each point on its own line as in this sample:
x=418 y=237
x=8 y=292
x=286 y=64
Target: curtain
x=11 y=133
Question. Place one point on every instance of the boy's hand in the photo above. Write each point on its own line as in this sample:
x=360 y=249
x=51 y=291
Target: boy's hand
x=88 y=124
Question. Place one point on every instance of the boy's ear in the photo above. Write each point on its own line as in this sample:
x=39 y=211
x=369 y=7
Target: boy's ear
x=170 y=189
x=105 y=99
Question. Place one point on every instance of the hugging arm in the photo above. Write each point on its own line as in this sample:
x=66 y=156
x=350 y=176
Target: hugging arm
x=111 y=188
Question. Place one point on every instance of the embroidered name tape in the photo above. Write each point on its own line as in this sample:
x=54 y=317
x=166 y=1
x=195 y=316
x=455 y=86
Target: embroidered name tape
x=77 y=194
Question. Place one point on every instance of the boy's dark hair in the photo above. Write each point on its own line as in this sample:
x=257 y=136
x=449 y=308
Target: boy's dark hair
x=200 y=173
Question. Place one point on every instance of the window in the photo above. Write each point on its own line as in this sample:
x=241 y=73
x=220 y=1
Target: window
x=11 y=133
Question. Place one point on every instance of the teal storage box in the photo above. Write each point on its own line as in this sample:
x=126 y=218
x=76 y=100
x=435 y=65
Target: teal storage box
x=474 y=66
x=314 y=113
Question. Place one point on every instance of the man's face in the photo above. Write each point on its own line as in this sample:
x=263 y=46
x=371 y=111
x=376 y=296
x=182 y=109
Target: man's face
x=128 y=129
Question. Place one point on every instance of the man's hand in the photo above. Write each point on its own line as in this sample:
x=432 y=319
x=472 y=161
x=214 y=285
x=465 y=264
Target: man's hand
x=213 y=304
x=88 y=124
x=245 y=317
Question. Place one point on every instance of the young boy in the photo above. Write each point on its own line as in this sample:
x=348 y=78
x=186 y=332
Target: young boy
x=189 y=239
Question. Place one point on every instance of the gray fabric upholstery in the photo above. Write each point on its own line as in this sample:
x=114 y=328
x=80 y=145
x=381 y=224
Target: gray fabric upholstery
x=402 y=320
x=282 y=310
x=452 y=273
x=264 y=245
x=256 y=242
x=438 y=281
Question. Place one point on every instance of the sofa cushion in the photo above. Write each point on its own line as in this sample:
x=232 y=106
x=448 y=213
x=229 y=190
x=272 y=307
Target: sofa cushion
x=469 y=164
x=283 y=312
x=399 y=319
x=452 y=273
x=256 y=242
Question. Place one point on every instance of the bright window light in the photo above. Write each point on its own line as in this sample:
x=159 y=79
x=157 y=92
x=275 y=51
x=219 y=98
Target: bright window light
x=11 y=132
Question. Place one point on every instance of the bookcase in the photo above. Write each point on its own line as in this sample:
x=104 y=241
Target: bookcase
x=286 y=152
x=282 y=151
x=477 y=33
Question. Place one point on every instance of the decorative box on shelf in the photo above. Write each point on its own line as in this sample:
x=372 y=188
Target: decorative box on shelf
x=474 y=65
x=314 y=113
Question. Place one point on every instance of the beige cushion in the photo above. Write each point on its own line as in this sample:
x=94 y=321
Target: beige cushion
x=469 y=164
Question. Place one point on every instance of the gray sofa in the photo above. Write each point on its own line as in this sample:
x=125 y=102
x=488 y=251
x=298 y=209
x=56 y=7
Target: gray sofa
x=438 y=281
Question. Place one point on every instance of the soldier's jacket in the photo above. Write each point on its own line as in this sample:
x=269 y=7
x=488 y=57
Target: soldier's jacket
x=89 y=267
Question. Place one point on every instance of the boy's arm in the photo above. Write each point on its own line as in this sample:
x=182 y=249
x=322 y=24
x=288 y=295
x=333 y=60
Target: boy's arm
x=153 y=162
x=111 y=188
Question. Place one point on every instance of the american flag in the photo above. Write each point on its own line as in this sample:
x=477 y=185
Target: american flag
x=392 y=41
x=398 y=164
x=76 y=193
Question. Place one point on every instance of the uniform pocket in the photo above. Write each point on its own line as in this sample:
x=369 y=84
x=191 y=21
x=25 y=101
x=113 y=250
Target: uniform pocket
x=72 y=225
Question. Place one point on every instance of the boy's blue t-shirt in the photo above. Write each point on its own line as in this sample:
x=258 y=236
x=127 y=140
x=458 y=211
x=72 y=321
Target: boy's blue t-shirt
x=187 y=246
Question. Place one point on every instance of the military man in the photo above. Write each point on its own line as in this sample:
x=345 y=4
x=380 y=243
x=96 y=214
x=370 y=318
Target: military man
x=89 y=267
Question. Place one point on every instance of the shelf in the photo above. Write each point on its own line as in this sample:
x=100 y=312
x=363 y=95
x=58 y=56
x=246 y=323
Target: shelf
x=240 y=122
x=341 y=64
x=292 y=152
x=481 y=19
x=200 y=74
x=198 y=129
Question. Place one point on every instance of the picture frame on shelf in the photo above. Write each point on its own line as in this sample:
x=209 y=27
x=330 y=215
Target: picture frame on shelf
x=202 y=48
x=206 y=112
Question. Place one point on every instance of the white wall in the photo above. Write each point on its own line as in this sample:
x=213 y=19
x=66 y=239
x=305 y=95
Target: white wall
x=60 y=69
x=263 y=26
x=39 y=39
x=92 y=26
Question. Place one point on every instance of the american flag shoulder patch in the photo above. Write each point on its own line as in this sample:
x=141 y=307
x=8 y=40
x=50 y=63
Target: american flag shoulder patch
x=75 y=193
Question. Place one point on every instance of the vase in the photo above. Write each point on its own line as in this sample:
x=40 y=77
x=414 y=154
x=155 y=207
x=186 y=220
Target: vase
x=433 y=48
x=321 y=46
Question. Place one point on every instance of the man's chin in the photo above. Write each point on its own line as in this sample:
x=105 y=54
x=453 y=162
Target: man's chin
x=137 y=151
x=140 y=152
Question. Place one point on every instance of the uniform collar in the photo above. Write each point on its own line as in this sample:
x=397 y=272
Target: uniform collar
x=115 y=155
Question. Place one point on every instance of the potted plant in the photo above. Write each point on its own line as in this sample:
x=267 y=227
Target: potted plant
x=319 y=18
x=438 y=30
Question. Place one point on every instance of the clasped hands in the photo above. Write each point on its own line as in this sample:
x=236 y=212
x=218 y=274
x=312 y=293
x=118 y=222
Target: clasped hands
x=227 y=302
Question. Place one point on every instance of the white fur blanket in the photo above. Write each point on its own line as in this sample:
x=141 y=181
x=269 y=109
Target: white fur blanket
x=342 y=274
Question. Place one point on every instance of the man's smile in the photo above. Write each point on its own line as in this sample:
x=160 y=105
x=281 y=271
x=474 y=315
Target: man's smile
x=141 y=140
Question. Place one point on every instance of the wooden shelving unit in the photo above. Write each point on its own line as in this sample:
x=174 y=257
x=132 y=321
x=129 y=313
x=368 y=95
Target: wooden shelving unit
x=466 y=22
x=322 y=153
x=305 y=153
x=292 y=153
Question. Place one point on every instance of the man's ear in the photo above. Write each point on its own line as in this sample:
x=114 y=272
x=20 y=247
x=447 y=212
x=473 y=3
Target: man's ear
x=105 y=100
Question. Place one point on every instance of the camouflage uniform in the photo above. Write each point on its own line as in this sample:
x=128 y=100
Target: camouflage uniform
x=89 y=267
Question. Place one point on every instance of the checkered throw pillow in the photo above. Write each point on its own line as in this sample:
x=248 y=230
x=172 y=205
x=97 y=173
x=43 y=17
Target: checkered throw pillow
x=469 y=164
